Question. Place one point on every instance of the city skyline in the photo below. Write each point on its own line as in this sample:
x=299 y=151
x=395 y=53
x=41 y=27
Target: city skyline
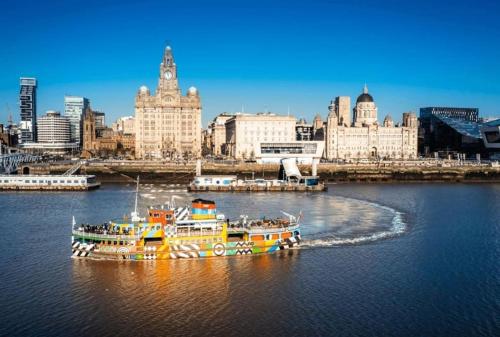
x=444 y=57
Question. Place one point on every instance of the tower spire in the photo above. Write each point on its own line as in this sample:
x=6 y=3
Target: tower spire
x=365 y=89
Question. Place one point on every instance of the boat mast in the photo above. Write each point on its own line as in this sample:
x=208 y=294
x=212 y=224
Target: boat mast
x=135 y=215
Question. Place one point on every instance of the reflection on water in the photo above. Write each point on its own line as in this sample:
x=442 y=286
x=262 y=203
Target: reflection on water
x=177 y=297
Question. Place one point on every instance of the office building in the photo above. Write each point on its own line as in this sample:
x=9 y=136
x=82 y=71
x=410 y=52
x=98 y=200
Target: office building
x=245 y=133
x=74 y=108
x=27 y=103
x=437 y=130
x=54 y=128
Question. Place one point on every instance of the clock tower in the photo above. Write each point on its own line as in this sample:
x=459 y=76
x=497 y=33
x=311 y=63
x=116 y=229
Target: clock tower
x=167 y=83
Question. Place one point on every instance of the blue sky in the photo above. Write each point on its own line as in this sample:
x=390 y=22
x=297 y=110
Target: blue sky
x=263 y=55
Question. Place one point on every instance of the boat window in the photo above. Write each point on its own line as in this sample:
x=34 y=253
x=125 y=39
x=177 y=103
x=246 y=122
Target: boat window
x=33 y=181
x=27 y=181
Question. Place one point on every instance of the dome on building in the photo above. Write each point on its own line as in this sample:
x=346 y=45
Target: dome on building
x=192 y=91
x=143 y=90
x=365 y=97
x=388 y=122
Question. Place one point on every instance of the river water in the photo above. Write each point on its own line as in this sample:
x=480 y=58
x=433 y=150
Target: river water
x=377 y=260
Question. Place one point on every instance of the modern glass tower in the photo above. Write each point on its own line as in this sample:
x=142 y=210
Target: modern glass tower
x=27 y=104
x=74 y=108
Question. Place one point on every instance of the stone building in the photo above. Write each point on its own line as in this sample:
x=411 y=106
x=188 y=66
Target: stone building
x=167 y=123
x=126 y=125
x=217 y=134
x=365 y=138
x=245 y=132
x=99 y=142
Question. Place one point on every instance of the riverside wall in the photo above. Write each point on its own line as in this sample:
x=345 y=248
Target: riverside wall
x=169 y=173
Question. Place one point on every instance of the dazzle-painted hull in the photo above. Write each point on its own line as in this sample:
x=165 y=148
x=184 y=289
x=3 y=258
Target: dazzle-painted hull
x=181 y=251
x=184 y=233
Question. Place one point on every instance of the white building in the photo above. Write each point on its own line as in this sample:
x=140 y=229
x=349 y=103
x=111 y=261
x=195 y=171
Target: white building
x=54 y=135
x=74 y=107
x=245 y=133
x=54 y=128
x=125 y=125
x=365 y=138
x=304 y=152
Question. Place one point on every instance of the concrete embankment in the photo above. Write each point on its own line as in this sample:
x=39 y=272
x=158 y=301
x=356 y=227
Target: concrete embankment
x=155 y=172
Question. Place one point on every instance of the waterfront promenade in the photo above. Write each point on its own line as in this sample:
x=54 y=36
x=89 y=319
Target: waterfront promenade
x=116 y=171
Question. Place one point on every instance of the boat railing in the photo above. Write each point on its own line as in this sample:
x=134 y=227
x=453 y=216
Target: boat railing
x=92 y=235
x=262 y=229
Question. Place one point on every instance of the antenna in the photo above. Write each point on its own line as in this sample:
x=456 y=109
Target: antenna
x=135 y=215
x=10 y=113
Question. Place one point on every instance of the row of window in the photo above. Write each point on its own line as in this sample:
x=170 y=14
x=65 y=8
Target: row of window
x=34 y=181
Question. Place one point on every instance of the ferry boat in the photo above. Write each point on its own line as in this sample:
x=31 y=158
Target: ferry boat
x=194 y=231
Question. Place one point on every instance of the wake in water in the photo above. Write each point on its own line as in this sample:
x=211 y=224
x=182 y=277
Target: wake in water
x=329 y=220
x=397 y=227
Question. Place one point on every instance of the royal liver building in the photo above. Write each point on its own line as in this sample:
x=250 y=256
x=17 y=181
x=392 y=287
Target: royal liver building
x=168 y=125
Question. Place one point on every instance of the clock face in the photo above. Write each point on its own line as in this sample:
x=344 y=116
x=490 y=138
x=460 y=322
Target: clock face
x=168 y=75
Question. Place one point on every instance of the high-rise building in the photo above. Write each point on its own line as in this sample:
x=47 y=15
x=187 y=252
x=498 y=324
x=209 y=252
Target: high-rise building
x=74 y=109
x=100 y=119
x=168 y=124
x=27 y=103
x=341 y=106
x=54 y=128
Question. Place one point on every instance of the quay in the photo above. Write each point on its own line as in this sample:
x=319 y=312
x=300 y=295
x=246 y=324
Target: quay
x=158 y=172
